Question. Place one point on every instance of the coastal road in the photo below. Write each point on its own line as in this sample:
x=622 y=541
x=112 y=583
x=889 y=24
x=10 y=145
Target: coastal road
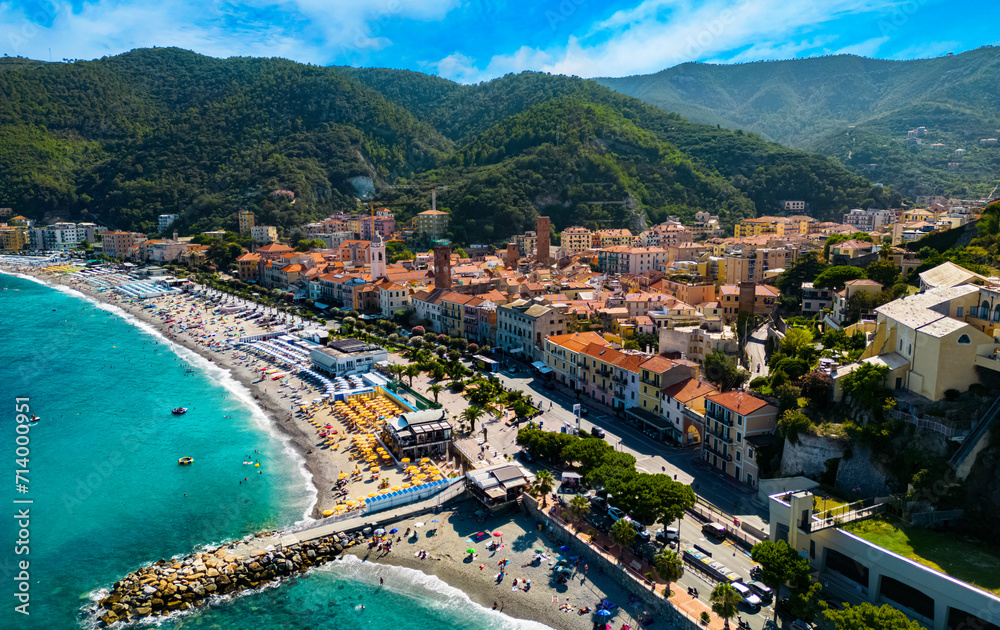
x=651 y=456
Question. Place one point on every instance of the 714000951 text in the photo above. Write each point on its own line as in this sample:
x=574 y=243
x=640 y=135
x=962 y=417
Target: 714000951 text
x=22 y=504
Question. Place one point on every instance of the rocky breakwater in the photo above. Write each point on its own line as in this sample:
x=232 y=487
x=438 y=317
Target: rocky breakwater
x=184 y=583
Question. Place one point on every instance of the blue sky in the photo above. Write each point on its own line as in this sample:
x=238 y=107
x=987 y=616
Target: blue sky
x=477 y=40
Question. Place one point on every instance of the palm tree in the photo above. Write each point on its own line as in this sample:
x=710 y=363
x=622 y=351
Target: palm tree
x=472 y=414
x=669 y=567
x=579 y=506
x=411 y=371
x=435 y=389
x=544 y=482
x=724 y=601
x=622 y=533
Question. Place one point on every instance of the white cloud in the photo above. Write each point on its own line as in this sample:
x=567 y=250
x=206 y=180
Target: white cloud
x=315 y=31
x=657 y=34
x=927 y=50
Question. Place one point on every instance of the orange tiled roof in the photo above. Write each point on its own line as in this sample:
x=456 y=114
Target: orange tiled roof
x=738 y=402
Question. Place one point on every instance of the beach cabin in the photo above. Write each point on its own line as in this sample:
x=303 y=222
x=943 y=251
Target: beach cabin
x=419 y=434
x=498 y=486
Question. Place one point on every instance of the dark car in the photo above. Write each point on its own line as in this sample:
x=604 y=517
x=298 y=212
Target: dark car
x=640 y=529
x=600 y=504
x=597 y=432
x=584 y=411
x=526 y=455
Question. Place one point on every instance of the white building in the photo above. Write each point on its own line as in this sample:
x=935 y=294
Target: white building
x=869 y=220
x=347 y=356
x=166 y=220
x=264 y=234
x=523 y=326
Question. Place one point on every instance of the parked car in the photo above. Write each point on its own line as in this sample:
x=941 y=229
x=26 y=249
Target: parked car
x=761 y=590
x=597 y=432
x=798 y=624
x=639 y=528
x=750 y=599
x=670 y=534
x=600 y=504
x=526 y=455
x=615 y=514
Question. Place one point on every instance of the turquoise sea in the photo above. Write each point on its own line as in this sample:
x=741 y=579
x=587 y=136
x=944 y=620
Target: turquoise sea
x=108 y=494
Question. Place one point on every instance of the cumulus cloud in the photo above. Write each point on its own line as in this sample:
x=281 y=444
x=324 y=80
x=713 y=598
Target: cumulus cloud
x=656 y=34
x=317 y=31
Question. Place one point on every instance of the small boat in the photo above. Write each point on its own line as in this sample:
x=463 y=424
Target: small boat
x=179 y=411
x=185 y=461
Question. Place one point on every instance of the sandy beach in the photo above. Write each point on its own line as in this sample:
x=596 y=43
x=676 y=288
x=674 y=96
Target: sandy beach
x=544 y=600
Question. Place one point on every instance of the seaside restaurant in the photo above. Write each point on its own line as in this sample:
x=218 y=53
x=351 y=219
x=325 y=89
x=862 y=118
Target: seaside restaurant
x=417 y=434
x=499 y=485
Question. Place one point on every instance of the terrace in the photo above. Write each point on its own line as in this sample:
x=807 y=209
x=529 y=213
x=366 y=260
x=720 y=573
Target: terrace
x=963 y=558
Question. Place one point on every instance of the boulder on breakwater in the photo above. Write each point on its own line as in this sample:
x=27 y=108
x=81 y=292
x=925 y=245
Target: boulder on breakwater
x=182 y=584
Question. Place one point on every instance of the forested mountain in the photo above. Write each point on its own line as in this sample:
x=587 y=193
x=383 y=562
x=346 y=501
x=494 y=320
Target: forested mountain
x=854 y=109
x=123 y=139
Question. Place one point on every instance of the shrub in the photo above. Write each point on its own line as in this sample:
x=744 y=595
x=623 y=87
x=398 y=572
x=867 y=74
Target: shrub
x=951 y=395
x=978 y=389
x=793 y=423
x=758 y=383
x=417 y=331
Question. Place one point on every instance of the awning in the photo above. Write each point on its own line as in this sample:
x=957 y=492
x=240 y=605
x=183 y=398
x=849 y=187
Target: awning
x=516 y=350
x=544 y=370
x=538 y=364
x=321 y=306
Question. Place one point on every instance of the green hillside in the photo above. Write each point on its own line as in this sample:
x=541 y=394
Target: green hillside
x=123 y=139
x=854 y=109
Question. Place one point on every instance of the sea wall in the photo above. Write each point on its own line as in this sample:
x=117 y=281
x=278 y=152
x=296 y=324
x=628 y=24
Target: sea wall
x=180 y=584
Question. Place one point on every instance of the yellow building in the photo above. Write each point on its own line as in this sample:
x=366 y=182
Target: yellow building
x=778 y=226
x=575 y=239
x=935 y=341
x=12 y=238
x=610 y=238
x=246 y=220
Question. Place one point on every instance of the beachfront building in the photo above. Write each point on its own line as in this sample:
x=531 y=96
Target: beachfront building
x=12 y=238
x=499 y=485
x=610 y=238
x=736 y=424
x=117 y=244
x=684 y=409
x=347 y=356
x=562 y=354
x=417 y=434
x=657 y=374
x=523 y=326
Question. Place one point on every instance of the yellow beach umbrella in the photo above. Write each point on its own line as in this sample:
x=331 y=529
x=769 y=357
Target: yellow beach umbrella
x=424 y=460
x=372 y=494
x=397 y=488
x=327 y=512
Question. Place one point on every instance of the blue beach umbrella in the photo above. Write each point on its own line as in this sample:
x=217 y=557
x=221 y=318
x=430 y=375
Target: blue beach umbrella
x=604 y=612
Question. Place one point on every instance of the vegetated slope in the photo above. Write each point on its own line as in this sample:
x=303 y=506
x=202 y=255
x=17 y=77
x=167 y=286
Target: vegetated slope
x=167 y=130
x=846 y=105
x=123 y=139
x=764 y=172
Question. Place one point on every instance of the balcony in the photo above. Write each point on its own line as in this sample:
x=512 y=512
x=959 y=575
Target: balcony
x=721 y=434
x=990 y=362
x=721 y=453
x=720 y=419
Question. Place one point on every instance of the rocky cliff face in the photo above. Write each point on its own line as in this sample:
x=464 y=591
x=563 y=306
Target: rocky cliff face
x=808 y=456
x=982 y=486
